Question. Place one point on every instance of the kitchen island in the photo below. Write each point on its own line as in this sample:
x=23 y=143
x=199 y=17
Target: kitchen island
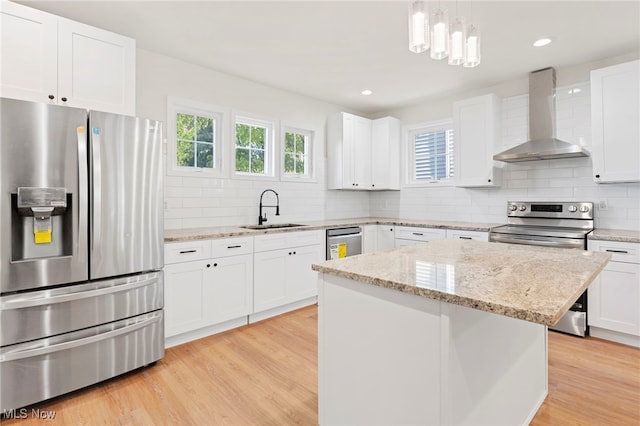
x=445 y=332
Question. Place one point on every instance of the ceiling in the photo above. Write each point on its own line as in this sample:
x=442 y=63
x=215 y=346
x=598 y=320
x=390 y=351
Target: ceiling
x=332 y=50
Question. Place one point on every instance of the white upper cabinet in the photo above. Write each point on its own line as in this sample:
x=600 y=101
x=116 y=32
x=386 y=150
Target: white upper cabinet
x=476 y=129
x=615 y=108
x=363 y=154
x=68 y=63
x=385 y=153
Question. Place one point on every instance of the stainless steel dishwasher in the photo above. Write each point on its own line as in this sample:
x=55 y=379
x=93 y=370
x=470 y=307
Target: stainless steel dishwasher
x=343 y=242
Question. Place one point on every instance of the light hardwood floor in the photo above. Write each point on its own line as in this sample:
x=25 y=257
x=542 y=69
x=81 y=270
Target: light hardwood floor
x=266 y=374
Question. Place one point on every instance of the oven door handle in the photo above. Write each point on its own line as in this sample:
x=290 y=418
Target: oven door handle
x=533 y=242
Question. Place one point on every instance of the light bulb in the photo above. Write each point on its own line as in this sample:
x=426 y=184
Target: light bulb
x=439 y=34
x=418 y=27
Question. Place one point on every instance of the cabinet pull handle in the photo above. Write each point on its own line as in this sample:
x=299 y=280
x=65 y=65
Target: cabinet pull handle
x=238 y=246
x=617 y=251
x=187 y=251
x=465 y=238
x=63 y=99
x=51 y=97
x=418 y=234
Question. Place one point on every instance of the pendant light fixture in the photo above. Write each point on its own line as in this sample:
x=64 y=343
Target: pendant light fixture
x=472 y=57
x=418 y=27
x=456 y=40
x=439 y=34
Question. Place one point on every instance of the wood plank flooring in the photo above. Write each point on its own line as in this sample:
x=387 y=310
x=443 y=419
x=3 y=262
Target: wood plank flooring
x=266 y=374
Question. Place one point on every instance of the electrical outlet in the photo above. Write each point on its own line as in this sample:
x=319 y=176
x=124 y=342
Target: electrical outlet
x=166 y=205
x=603 y=205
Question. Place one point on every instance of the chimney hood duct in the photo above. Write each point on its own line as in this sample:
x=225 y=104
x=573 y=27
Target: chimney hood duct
x=542 y=144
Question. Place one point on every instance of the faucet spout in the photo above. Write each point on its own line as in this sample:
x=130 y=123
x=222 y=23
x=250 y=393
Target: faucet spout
x=263 y=218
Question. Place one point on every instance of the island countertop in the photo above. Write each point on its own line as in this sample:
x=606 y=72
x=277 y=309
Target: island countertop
x=536 y=284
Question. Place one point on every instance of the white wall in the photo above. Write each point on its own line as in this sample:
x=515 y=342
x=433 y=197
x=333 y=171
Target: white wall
x=549 y=180
x=196 y=202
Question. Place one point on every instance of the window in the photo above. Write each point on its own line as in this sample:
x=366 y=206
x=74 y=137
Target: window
x=194 y=137
x=431 y=153
x=297 y=153
x=253 y=147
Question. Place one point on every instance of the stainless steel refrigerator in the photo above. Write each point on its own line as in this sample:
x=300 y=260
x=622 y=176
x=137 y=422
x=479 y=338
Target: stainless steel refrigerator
x=81 y=248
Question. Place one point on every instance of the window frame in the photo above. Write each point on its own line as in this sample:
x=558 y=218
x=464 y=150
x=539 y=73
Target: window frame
x=176 y=106
x=409 y=133
x=270 y=161
x=309 y=176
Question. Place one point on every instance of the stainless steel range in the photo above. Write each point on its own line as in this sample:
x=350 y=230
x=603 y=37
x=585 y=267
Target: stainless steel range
x=551 y=224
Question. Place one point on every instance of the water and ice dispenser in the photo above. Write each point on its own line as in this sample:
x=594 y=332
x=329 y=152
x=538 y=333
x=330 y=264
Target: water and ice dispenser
x=41 y=223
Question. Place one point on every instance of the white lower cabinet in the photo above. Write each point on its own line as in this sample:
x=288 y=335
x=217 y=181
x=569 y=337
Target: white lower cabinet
x=369 y=238
x=614 y=296
x=207 y=291
x=283 y=278
x=410 y=235
x=467 y=235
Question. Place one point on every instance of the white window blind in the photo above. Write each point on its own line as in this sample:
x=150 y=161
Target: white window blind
x=433 y=154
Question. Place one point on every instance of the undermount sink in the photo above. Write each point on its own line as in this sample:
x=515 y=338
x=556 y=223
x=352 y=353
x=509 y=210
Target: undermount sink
x=272 y=226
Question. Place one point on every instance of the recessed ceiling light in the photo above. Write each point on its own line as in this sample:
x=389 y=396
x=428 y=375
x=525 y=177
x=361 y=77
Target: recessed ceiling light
x=542 y=42
x=366 y=92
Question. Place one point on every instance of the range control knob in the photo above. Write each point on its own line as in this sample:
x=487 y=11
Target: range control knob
x=584 y=208
x=572 y=208
x=513 y=207
x=522 y=207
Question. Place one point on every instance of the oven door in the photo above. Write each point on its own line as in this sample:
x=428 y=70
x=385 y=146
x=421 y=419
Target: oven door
x=575 y=320
x=533 y=240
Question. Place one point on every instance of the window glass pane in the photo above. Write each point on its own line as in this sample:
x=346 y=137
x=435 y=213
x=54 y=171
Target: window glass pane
x=242 y=160
x=242 y=135
x=300 y=164
x=185 y=154
x=257 y=161
x=185 y=126
x=300 y=143
x=258 y=137
x=205 y=129
x=289 y=163
x=205 y=155
x=289 y=144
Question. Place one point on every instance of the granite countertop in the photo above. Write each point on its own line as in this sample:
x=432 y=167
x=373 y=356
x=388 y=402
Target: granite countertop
x=536 y=284
x=206 y=233
x=621 y=235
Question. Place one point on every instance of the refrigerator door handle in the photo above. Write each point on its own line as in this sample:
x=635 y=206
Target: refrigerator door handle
x=96 y=226
x=49 y=300
x=27 y=353
x=83 y=182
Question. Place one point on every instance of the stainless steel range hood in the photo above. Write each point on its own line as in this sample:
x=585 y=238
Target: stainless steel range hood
x=542 y=144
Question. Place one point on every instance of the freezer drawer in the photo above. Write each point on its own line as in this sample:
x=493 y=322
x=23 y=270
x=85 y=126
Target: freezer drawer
x=42 y=369
x=39 y=314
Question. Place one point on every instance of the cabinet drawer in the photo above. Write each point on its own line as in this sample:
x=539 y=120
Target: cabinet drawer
x=283 y=240
x=621 y=252
x=419 y=234
x=187 y=251
x=231 y=246
x=467 y=235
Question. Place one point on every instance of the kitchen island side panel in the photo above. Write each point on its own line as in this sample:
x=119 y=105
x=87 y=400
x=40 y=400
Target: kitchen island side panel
x=388 y=357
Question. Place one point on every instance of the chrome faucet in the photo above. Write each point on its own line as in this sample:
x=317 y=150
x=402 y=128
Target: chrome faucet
x=262 y=219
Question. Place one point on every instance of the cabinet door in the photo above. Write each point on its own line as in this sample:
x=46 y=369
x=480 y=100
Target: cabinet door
x=269 y=284
x=96 y=68
x=229 y=288
x=28 y=43
x=348 y=151
x=386 y=237
x=302 y=281
x=475 y=130
x=369 y=238
x=385 y=153
x=184 y=297
x=615 y=107
x=614 y=298
x=361 y=153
